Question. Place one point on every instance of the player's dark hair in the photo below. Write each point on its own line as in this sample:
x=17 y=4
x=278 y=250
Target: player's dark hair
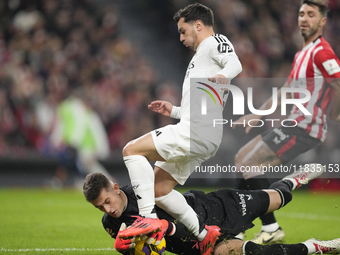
x=322 y=4
x=194 y=12
x=93 y=185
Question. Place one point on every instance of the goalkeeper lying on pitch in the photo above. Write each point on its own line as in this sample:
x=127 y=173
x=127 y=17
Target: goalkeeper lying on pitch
x=231 y=210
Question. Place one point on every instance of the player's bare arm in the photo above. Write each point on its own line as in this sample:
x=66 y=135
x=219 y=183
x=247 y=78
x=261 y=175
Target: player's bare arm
x=267 y=105
x=162 y=107
x=335 y=111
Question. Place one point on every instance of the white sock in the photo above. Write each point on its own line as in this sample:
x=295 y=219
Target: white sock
x=143 y=183
x=310 y=247
x=175 y=204
x=244 y=248
x=270 y=227
x=201 y=235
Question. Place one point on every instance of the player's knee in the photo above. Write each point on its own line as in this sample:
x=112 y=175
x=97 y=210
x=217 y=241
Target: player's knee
x=284 y=191
x=128 y=149
x=161 y=191
x=161 y=200
x=287 y=197
x=159 y=194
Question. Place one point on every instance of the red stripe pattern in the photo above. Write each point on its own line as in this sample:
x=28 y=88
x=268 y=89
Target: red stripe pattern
x=309 y=72
x=286 y=147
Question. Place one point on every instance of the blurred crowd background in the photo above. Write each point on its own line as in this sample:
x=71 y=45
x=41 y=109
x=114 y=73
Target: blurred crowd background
x=52 y=51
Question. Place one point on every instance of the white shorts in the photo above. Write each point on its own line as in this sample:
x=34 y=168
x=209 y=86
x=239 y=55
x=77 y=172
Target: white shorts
x=181 y=153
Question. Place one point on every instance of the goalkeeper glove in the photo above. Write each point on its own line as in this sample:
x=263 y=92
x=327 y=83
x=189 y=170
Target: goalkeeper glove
x=122 y=245
x=158 y=235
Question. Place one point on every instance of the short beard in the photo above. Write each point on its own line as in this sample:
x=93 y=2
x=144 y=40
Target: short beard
x=309 y=34
x=192 y=47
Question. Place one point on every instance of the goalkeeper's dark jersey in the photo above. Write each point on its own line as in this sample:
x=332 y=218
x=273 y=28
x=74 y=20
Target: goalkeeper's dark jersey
x=232 y=210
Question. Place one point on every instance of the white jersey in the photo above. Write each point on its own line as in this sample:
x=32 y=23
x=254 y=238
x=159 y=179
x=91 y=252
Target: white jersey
x=214 y=55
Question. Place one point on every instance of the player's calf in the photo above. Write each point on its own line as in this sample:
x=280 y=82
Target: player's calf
x=251 y=248
x=310 y=246
x=283 y=187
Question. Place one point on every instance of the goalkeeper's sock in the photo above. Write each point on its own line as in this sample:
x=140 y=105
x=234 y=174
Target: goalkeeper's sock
x=250 y=248
x=270 y=227
x=142 y=181
x=171 y=229
x=283 y=187
x=256 y=183
x=175 y=204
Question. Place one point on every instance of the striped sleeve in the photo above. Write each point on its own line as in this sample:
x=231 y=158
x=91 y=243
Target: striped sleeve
x=328 y=63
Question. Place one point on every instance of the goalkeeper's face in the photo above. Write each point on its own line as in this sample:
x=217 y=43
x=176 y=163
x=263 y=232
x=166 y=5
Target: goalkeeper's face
x=188 y=34
x=111 y=201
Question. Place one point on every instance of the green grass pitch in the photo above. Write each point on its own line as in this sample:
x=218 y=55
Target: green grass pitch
x=43 y=221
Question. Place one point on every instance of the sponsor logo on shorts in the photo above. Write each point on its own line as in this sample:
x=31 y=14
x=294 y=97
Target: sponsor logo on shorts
x=281 y=136
x=243 y=203
x=158 y=133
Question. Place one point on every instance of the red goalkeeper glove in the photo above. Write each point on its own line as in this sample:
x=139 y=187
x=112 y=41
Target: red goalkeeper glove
x=158 y=235
x=122 y=245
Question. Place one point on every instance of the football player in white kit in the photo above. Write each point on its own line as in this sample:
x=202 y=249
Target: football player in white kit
x=174 y=147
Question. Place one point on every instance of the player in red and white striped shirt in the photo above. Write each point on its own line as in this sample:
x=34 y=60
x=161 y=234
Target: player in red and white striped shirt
x=317 y=69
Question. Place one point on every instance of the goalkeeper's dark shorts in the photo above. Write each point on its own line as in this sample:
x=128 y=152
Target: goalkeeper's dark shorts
x=235 y=210
x=231 y=210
